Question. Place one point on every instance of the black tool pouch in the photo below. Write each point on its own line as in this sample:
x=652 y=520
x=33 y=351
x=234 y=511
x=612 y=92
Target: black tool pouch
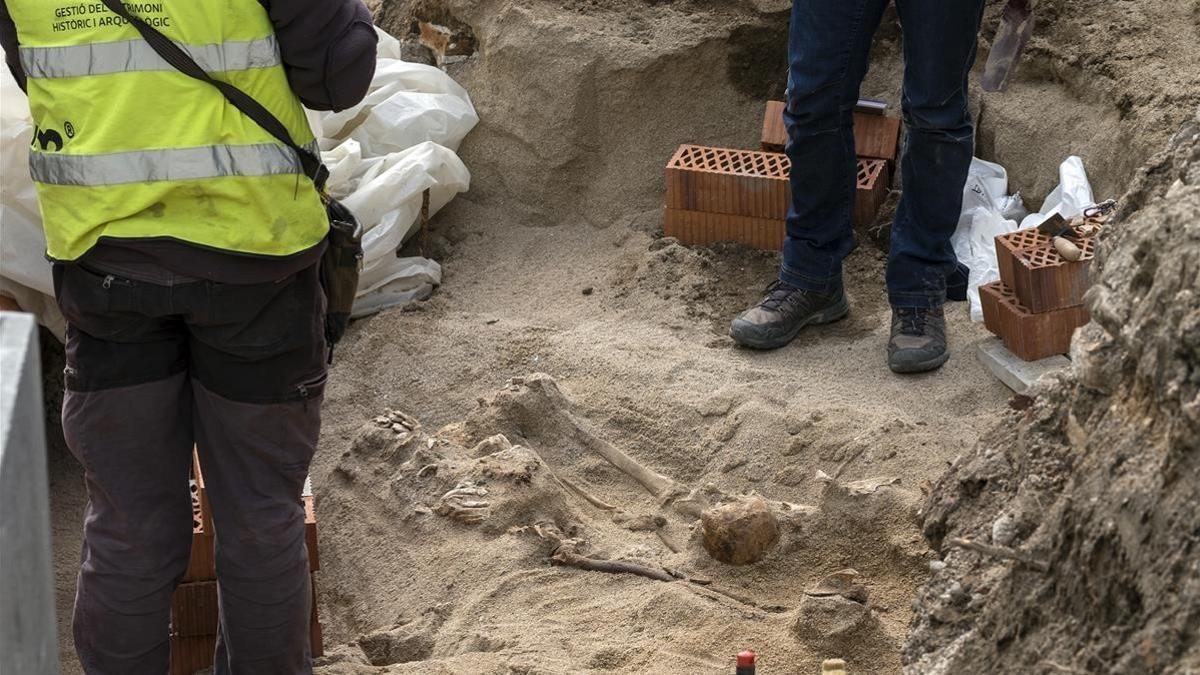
x=339 y=269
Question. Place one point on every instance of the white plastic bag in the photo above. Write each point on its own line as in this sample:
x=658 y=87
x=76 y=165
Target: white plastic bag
x=383 y=154
x=409 y=279
x=24 y=272
x=988 y=211
x=1072 y=195
x=975 y=247
x=386 y=198
x=21 y=256
x=406 y=104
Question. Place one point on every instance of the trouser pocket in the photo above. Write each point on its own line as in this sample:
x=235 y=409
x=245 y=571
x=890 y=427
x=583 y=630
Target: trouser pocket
x=262 y=343
x=102 y=305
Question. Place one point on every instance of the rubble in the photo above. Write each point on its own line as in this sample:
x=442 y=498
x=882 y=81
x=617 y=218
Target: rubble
x=1103 y=578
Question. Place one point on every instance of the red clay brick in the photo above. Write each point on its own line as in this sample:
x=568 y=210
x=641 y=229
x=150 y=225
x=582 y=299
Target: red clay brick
x=1041 y=279
x=310 y=534
x=873 y=181
x=694 y=228
x=194 y=626
x=990 y=298
x=316 y=637
x=736 y=182
x=202 y=566
x=715 y=194
x=1031 y=336
x=198 y=477
x=191 y=653
x=194 y=605
x=875 y=136
x=194 y=609
x=774 y=132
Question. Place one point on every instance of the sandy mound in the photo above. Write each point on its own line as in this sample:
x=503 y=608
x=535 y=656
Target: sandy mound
x=485 y=506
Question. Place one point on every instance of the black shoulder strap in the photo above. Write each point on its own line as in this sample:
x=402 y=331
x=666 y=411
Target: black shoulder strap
x=177 y=57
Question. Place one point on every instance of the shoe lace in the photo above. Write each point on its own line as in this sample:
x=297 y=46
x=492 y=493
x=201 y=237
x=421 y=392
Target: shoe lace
x=912 y=320
x=777 y=293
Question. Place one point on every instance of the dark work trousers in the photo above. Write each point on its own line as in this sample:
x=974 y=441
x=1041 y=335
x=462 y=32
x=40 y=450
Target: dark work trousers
x=828 y=53
x=237 y=370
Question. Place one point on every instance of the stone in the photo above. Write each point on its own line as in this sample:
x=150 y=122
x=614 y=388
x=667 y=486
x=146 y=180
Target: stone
x=491 y=445
x=831 y=617
x=636 y=522
x=412 y=51
x=843 y=583
x=1005 y=530
x=1016 y=373
x=797 y=446
x=741 y=532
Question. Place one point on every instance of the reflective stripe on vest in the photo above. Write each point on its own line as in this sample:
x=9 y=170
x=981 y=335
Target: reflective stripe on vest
x=106 y=58
x=212 y=161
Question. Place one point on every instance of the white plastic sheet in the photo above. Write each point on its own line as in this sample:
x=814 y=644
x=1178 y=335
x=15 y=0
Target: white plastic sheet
x=24 y=271
x=989 y=212
x=383 y=154
x=407 y=104
x=1072 y=195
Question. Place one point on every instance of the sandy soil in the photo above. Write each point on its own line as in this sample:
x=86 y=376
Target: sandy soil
x=553 y=266
x=644 y=358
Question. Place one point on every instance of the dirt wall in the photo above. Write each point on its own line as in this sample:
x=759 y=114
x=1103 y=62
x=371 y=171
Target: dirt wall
x=1094 y=483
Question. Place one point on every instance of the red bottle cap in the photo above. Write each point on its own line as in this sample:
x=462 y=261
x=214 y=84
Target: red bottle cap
x=746 y=659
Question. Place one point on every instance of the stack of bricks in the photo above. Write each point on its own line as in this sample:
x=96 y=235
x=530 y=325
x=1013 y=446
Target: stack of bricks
x=1037 y=304
x=718 y=194
x=194 y=605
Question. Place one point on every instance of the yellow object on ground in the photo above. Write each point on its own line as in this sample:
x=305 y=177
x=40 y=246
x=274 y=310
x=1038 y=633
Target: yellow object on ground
x=833 y=667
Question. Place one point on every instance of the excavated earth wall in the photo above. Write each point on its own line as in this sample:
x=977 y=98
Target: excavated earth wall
x=1094 y=482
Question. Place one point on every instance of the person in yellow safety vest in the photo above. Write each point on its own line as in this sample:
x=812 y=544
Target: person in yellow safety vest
x=185 y=241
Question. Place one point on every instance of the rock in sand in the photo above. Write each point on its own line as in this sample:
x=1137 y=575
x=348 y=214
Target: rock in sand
x=740 y=532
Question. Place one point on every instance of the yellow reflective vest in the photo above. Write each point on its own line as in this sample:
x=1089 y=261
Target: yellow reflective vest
x=127 y=147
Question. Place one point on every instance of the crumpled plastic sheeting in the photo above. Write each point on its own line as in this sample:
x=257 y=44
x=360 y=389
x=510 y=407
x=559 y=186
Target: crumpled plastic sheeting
x=24 y=272
x=382 y=154
x=1069 y=199
x=407 y=104
x=988 y=212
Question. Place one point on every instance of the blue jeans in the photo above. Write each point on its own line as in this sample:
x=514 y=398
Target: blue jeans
x=828 y=58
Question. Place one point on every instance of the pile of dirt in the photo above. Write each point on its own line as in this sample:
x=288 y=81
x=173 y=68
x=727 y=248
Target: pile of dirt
x=465 y=523
x=1107 y=81
x=582 y=102
x=1091 y=491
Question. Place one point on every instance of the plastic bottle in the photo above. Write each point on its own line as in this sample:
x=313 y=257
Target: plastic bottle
x=745 y=662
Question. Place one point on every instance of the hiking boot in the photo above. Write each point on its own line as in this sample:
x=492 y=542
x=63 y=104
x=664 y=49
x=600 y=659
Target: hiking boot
x=781 y=315
x=918 y=340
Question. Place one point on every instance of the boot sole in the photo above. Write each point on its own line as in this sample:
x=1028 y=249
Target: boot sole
x=831 y=314
x=920 y=366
